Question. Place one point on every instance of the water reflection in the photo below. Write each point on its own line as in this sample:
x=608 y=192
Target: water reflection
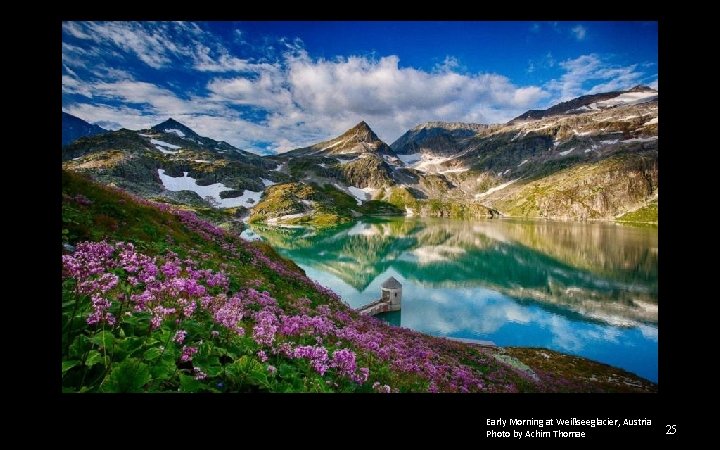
x=589 y=289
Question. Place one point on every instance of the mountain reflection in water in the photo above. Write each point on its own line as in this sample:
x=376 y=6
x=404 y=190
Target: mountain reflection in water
x=583 y=288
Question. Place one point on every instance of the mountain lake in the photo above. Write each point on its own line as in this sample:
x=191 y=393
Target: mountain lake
x=588 y=289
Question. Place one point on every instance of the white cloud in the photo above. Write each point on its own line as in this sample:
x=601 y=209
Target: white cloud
x=122 y=116
x=157 y=44
x=302 y=100
x=224 y=62
x=591 y=70
x=308 y=100
x=294 y=100
x=579 y=32
x=150 y=44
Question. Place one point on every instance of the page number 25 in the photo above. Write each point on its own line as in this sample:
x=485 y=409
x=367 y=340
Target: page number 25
x=671 y=429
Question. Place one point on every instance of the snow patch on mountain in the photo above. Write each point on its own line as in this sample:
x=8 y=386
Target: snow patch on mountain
x=495 y=189
x=175 y=131
x=628 y=98
x=210 y=193
x=647 y=139
x=410 y=159
x=463 y=169
x=346 y=161
x=164 y=144
x=361 y=194
x=652 y=121
x=275 y=220
x=333 y=145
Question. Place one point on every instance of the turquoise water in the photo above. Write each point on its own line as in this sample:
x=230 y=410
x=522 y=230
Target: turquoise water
x=588 y=289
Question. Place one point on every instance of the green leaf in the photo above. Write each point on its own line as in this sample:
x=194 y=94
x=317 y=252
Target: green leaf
x=248 y=370
x=128 y=346
x=80 y=345
x=152 y=353
x=93 y=358
x=259 y=377
x=103 y=339
x=213 y=371
x=190 y=384
x=128 y=376
x=163 y=368
x=286 y=371
x=67 y=365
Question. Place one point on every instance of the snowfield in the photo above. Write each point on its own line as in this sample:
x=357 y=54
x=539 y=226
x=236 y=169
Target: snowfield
x=275 y=220
x=495 y=189
x=333 y=145
x=175 y=131
x=210 y=193
x=361 y=194
x=409 y=159
x=346 y=161
x=628 y=98
x=163 y=146
x=425 y=162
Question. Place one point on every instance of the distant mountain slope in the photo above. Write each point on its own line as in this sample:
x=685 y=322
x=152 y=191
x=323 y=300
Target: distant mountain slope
x=171 y=161
x=177 y=129
x=74 y=127
x=436 y=137
x=638 y=94
x=358 y=139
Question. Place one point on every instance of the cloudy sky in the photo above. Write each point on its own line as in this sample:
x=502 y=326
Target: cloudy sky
x=273 y=86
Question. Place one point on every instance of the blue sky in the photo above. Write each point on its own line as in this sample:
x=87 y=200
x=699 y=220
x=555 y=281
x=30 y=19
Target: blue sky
x=273 y=86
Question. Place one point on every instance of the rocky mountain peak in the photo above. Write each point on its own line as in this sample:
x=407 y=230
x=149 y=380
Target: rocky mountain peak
x=641 y=88
x=358 y=139
x=452 y=126
x=173 y=126
x=360 y=133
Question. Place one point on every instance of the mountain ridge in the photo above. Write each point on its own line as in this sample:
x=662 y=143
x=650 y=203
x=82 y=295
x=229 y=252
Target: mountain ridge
x=74 y=128
x=577 y=103
x=436 y=168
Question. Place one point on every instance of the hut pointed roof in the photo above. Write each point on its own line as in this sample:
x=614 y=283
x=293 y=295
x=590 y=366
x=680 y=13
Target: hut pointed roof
x=391 y=283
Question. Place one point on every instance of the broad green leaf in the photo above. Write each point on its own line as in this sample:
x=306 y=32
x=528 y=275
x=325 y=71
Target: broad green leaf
x=67 y=365
x=93 y=358
x=213 y=371
x=103 y=339
x=152 y=353
x=163 y=368
x=190 y=384
x=127 y=347
x=80 y=345
x=128 y=376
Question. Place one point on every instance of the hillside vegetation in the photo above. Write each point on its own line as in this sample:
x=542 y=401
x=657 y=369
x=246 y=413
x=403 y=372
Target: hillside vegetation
x=155 y=299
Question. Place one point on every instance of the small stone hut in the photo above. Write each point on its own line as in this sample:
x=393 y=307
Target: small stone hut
x=392 y=291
